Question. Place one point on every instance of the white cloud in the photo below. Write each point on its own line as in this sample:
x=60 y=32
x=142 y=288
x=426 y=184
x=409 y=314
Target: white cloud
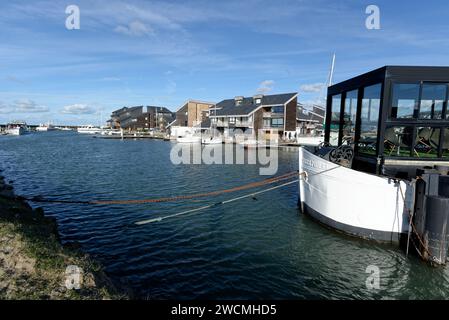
x=28 y=106
x=265 y=86
x=313 y=87
x=78 y=109
x=4 y=108
x=135 y=29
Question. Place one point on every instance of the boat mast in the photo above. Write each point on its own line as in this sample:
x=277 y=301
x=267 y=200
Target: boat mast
x=331 y=72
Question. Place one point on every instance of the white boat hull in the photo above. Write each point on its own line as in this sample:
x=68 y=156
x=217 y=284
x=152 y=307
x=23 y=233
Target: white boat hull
x=353 y=202
x=15 y=131
x=189 y=140
x=215 y=140
x=45 y=129
x=88 y=131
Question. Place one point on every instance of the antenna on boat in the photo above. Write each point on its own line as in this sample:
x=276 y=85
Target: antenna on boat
x=323 y=92
x=331 y=72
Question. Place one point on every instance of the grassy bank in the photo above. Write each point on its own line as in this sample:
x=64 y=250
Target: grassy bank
x=33 y=262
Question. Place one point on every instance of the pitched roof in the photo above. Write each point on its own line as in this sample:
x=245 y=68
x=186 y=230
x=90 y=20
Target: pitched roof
x=228 y=107
x=316 y=114
x=158 y=109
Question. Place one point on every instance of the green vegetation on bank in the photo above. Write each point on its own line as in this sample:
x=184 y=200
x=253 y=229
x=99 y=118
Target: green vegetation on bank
x=33 y=262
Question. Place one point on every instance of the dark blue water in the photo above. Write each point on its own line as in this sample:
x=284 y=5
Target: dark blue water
x=253 y=248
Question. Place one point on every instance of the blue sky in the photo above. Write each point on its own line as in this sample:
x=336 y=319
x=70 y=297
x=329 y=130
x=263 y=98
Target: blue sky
x=165 y=52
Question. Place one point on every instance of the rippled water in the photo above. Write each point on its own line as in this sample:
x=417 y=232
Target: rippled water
x=253 y=248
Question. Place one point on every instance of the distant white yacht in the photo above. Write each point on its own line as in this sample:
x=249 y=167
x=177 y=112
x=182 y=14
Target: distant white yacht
x=89 y=130
x=16 y=128
x=46 y=127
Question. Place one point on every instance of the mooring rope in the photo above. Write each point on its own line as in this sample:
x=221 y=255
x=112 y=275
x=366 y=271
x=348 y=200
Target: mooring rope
x=158 y=219
x=415 y=230
x=252 y=185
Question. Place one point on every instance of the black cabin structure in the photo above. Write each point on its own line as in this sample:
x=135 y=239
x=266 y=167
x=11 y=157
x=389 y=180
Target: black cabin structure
x=396 y=118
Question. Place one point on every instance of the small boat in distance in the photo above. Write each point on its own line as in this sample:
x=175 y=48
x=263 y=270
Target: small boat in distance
x=212 y=140
x=45 y=127
x=16 y=128
x=89 y=129
x=190 y=138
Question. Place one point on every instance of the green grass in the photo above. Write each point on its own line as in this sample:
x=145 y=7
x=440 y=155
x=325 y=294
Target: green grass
x=37 y=238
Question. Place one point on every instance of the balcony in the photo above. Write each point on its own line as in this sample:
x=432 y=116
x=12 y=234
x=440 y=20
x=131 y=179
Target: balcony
x=242 y=123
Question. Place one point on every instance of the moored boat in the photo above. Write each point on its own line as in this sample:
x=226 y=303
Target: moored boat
x=211 y=140
x=382 y=172
x=89 y=129
x=45 y=127
x=189 y=139
x=16 y=128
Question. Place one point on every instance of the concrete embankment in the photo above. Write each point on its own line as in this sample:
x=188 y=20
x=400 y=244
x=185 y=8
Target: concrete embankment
x=34 y=264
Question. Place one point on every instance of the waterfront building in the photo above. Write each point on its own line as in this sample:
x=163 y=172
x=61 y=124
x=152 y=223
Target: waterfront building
x=309 y=122
x=274 y=114
x=141 y=118
x=192 y=115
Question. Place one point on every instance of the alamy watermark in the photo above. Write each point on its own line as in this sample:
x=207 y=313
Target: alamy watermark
x=373 y=280
x=372 y=22
x=73 y=277
x=262 y=152
x=73 y=21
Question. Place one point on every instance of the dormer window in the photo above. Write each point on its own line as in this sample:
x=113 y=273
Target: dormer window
x=238 y=100
x=257 y=99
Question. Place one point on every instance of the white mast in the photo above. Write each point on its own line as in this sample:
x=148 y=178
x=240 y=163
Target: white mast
x=331 y=73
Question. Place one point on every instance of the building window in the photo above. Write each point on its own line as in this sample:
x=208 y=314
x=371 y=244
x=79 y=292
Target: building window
x=335 y=120
x=266 y=123
x=350 y=115
x=432 y=101
x=231 y=119
x=405 y=101
x=277 y=109
x=369 y=119
x=277 y=122
x=258 y=101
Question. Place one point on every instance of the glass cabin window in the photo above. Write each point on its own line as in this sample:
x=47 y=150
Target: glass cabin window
x=369 y=119
x=398 y=141
x=335 y=120
x=432 y=101
x=445 y=143
x=405 y=101
x=350 y=116
x=427 y=142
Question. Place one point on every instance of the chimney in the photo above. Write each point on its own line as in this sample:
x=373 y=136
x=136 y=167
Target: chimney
x=257 y=99
x=238 y=100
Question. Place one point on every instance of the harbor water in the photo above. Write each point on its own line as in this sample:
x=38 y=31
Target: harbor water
x=255 y=248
